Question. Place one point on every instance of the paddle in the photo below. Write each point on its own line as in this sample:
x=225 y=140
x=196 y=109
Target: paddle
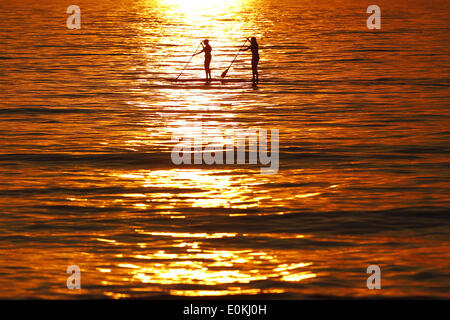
x=189 y=61
x=224 y=74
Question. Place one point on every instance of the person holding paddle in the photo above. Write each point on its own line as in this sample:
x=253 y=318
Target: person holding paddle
x=207 y=50
x=254 y=47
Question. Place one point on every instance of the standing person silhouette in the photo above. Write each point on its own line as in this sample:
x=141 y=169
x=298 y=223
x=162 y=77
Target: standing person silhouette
x=207 y=50
x=254 y=47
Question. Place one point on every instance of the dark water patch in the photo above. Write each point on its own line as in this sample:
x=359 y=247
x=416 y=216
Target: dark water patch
x=413 y=219
x=95 y=191
x=261 y=242
x=40 y=110
x=106 y=159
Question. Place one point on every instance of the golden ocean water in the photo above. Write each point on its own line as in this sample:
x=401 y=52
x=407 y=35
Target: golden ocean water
x=86 y=175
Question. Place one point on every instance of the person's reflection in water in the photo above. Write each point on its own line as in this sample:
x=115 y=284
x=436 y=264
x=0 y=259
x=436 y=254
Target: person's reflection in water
x=255 y=58
x=207 y=50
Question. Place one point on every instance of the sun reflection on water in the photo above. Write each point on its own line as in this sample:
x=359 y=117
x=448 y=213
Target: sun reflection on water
x=195 y=263
x=214 y=189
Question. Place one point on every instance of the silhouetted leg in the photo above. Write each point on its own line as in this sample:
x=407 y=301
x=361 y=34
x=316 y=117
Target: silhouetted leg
x=207 y=69
x=255 y=70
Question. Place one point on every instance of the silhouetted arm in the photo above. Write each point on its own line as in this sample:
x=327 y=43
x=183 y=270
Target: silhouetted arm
x=200 y=52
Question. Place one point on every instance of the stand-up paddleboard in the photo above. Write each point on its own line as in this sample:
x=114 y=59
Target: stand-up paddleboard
x=203 y=80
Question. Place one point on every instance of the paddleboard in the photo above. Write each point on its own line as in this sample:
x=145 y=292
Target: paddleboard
x=211 y=80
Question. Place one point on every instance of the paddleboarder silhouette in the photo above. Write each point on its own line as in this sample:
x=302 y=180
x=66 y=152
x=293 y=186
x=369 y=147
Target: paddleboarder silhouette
x=207 y=50
x=254 y=47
